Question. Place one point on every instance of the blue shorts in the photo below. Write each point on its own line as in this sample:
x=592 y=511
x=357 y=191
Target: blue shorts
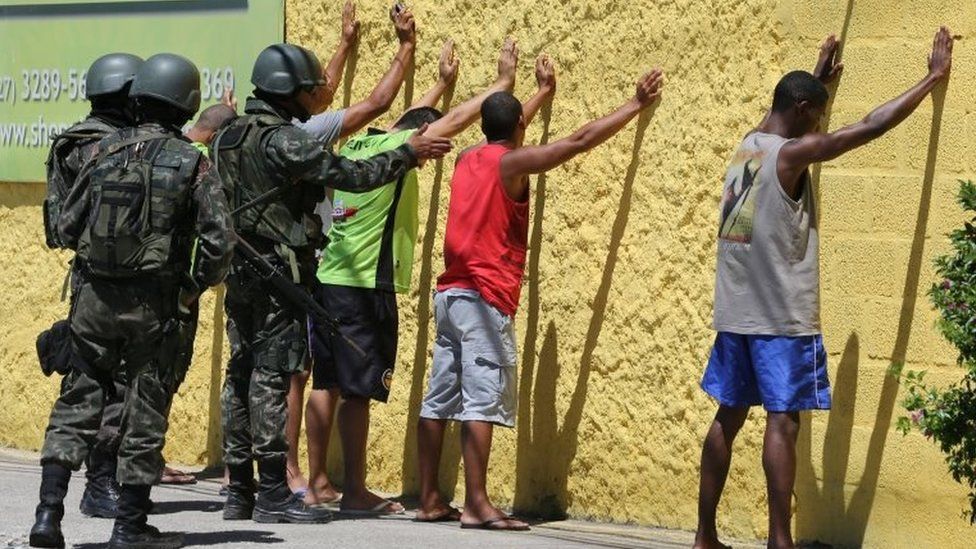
x=783 y=373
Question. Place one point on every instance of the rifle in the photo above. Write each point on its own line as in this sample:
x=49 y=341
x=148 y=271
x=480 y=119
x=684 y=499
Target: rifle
x=290 y=293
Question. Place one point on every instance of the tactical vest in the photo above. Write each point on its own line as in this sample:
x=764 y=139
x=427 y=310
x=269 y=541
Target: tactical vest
x=140 y=185
x=60 y=180
x=280 y=216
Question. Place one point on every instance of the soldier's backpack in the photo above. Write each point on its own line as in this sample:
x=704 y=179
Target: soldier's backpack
x=59 y=183
x=124 y=237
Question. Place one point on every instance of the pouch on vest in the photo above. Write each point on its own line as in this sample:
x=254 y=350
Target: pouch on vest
x=260 y=205
x=118 y=240
x=54 y=349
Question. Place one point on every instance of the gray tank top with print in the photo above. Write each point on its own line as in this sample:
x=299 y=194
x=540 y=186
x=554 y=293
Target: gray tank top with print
x=767 y=277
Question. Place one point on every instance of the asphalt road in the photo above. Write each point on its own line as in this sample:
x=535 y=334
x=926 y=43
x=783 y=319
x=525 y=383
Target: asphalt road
x=195 y=510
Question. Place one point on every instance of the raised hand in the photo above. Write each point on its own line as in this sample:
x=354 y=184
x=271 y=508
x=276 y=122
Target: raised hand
x=425 y=148
x=449 y=63
x=508 y=61
x=649 y=88
x=350 y=25
x=545 y=74
x=940 y=61
x=406 y=27
x=828 y=69
x=229 y=99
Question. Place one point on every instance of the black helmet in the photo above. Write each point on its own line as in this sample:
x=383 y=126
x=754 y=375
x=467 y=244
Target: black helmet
x=110 y=73
x=283 y=69
x=170 y=78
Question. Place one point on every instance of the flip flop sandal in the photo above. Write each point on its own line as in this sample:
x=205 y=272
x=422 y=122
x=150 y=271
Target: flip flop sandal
x=376 y=511
x=492 y=524
x=451 y=515
x=332 y=504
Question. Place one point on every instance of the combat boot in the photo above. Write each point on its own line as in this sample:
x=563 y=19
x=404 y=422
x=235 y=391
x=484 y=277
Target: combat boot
x=277 y=503
x=46 y=531
x=131 y=531
x=240 y=492
x=101 y=497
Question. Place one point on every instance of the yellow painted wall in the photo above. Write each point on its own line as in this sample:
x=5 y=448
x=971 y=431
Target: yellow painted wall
x=614 y=320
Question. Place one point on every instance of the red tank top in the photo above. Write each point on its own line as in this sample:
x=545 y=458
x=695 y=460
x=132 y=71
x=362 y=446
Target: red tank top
x=487 y=231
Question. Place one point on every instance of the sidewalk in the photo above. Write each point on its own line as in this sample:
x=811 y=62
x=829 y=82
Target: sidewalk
x=195 y=510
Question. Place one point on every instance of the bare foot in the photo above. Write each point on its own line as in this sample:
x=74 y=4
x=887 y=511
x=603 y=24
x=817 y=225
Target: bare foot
x=296 y=480
x=709 y=542
x=441 y=512
x=490 y=518
x=368 y=501
x=322 y=495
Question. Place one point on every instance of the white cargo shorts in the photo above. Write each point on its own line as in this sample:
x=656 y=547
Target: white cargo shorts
x=473 y=373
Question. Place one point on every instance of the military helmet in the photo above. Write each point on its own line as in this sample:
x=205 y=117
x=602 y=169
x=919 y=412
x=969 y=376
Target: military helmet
x=170 y=78
x=110 y=73
x=283 y=69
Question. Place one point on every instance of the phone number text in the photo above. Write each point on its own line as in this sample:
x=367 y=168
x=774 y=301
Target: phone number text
x=49 y=85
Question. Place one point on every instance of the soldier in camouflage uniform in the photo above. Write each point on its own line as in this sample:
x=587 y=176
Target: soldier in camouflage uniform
x=257 y=154
x=107 y=89
x=132 y=218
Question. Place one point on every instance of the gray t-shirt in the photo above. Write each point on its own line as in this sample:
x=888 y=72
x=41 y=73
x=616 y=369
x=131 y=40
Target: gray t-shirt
x=767 y=279
x=325 y=127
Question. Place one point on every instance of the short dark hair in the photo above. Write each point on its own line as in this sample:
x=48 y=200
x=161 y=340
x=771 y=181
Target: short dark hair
x=500 y=115
x=415 y=118
x=796 y=87
x=215 y=117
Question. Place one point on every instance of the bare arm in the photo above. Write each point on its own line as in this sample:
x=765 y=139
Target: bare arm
x=797 y=155
x=531 y=160
x=545 y=77
x=381 y=98
x=465 y=114
x=350 y=35
x=827 y=69
x=447 y=71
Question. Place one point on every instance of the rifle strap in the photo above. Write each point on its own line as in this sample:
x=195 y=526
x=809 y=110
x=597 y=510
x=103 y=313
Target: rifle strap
x=288 y=254
x=67 y=280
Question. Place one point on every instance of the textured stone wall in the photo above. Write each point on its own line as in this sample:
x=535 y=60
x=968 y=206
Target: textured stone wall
x=886 y=209
x=614 y=321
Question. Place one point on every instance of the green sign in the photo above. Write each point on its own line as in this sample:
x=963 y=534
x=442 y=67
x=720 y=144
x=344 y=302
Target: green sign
x=47 y=46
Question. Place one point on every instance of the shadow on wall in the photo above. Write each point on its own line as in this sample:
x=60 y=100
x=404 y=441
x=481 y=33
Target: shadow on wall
x=825 y=513
x=832 y=89
x=545 y=452
x=19 y=195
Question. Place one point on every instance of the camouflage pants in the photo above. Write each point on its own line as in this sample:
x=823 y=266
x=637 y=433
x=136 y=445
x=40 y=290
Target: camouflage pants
x=102 y=455
x=116 y=326
x=267 y=344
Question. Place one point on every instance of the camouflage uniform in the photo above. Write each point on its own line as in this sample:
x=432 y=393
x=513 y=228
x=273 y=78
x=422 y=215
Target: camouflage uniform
x=257 y=153
x=133 y=323
x=68 y=153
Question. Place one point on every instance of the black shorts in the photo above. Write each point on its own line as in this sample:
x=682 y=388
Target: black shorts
x=369 y=318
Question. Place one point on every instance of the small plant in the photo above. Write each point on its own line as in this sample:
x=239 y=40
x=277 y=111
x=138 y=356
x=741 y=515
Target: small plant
x=947 y=416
